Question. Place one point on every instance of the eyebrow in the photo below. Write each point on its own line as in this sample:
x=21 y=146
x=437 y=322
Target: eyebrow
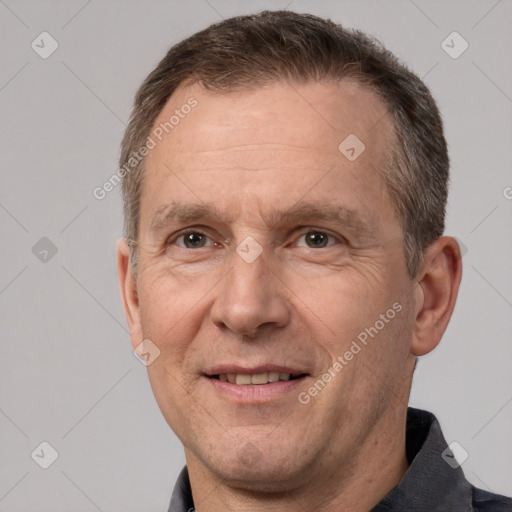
x=301 y=214
x=178 y=212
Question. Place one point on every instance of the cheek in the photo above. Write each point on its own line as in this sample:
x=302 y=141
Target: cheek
x=385 y=346
x=342 y=303
x=364 y=320
x=171 y=316
x=171 y=313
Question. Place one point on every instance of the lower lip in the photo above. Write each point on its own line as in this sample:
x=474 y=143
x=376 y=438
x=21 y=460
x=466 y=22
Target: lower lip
x=256 y=393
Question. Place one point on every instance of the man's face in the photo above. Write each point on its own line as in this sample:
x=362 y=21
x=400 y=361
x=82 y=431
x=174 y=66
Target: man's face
x=255 y=171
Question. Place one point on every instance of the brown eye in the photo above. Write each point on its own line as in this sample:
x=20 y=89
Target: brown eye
x=316 y=240
x=192 y=240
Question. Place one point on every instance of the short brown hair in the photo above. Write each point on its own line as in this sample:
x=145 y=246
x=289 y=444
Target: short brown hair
x=273 y=46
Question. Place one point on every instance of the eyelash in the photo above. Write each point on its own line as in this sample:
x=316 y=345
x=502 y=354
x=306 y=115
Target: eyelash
x=171 y=240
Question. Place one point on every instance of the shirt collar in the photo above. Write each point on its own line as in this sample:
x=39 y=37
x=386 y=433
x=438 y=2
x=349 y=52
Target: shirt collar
x=430 y=483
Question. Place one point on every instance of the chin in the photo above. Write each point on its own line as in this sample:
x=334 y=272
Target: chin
x=259 y=480
x=253 y=470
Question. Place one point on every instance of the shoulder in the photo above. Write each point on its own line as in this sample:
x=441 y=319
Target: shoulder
x=484 y=501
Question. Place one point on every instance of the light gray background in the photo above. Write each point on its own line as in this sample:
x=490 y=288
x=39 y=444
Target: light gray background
x=68 y=375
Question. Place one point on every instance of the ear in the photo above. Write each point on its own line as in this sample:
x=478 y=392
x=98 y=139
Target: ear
x=439 y=280
x=128 y=285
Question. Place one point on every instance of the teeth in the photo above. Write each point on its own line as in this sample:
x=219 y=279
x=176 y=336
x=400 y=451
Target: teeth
x=273 y=376
x=243 y=379
x=259 y=378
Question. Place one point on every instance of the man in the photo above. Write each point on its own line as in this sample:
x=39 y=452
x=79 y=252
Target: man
x=284 y=265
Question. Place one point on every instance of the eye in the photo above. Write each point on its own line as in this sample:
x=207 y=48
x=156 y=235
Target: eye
x=192 y=240
x=316 y=240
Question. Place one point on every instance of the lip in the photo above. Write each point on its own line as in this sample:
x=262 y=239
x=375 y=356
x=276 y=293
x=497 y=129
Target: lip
x=255 y=393
x=246 y=370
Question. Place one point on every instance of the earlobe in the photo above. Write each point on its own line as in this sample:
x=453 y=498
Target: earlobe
x=439 y=281
x=128 y=287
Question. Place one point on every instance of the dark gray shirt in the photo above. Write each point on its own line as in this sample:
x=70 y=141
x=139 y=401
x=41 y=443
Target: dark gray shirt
x=433 y=483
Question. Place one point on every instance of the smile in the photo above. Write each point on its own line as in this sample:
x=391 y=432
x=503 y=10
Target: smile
x=243 y=379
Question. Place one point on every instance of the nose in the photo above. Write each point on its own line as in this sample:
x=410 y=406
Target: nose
x=251 y=298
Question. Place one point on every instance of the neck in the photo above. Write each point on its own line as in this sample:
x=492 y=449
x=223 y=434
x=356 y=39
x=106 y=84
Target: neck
x=354 y=484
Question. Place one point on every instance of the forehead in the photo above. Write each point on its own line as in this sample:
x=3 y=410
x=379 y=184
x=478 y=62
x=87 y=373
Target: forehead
x=281 y=135
x=313 y=116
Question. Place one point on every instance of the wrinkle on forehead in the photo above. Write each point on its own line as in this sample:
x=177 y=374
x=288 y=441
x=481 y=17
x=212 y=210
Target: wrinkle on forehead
x=254 y=147
x=253 y=157
x=280 y=115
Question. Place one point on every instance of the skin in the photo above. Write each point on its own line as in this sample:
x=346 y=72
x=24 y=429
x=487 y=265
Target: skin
x=254 y=154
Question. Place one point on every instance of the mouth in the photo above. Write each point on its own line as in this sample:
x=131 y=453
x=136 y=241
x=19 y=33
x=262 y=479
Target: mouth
x=258 y=379
x=256 y=384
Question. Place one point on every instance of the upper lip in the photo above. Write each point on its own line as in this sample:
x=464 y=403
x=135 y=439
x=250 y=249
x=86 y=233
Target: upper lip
x=251 y=370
